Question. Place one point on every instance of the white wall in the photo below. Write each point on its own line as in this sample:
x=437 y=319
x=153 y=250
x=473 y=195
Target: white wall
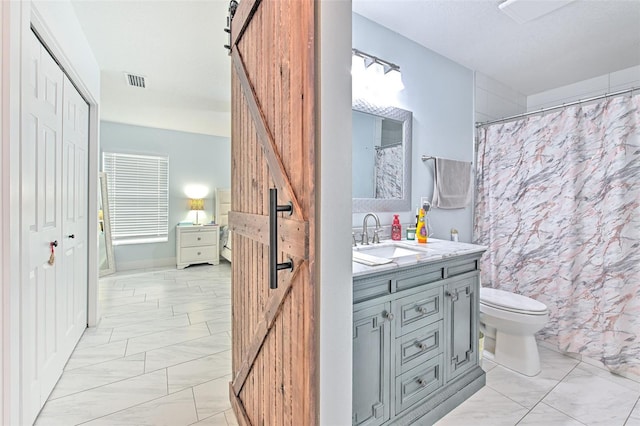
x=193 y=159
x=608 y=83
x=3 y=221
x=57 y=24
x=333 y=199
x=439 y=92
x=495 y=100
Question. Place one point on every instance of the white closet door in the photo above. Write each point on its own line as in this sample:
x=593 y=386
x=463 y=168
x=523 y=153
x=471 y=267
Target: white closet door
x=50 y=301
x=73 y=294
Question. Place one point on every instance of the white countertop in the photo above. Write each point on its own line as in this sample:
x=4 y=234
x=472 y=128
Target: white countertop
x=434 y=250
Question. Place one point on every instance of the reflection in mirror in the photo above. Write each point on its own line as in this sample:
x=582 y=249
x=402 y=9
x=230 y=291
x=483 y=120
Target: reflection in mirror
x=381 y=158
x=106 y=263
x=377 y=156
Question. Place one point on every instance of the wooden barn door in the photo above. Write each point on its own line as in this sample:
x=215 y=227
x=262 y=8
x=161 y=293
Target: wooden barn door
x=273 y=134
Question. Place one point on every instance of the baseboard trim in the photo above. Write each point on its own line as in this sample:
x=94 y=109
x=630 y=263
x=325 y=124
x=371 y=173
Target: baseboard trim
x=145 y=264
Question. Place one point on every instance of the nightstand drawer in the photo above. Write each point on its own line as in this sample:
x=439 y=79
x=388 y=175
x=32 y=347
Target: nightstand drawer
x=194 y=239
x=198 y=254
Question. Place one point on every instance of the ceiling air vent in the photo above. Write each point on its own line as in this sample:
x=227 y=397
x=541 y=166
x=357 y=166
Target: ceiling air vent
x=135 y=80
x=523 y=11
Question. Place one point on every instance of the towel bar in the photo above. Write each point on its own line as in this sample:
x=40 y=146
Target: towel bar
x=430 y=157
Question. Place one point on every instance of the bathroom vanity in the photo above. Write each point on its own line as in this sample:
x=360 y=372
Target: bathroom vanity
x=415 y=331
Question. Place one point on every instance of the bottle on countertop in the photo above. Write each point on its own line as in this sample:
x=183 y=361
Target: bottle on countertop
x=396 y=229
x=421 y=230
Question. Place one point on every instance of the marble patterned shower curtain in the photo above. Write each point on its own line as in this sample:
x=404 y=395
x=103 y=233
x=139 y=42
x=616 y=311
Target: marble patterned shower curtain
x=559 y=207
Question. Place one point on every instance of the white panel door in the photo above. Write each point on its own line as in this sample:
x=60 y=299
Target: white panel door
x=53 y=304
x=72 y=294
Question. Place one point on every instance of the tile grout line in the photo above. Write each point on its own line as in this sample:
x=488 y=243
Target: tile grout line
x=172 y=344
x=195 y=404
x=551 y=390
x=127 y=408
x=637 y=404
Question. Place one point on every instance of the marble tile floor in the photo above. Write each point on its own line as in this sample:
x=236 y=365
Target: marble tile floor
x=567 y=392
x=161 y=354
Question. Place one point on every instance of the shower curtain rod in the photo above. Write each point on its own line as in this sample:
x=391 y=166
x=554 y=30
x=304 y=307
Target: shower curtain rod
x=543 y=110
x=389 y=145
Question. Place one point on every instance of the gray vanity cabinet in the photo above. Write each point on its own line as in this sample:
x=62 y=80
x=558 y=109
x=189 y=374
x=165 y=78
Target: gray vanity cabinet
x=415 y=341
x=372 y=347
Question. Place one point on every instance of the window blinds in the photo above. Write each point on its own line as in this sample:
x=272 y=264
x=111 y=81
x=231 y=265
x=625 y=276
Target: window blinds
x=138 y=188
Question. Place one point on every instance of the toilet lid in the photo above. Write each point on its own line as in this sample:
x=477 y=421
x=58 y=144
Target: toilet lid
x=501 y=299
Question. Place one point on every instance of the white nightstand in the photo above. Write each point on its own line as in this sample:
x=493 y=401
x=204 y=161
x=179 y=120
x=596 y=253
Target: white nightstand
x=197 y=244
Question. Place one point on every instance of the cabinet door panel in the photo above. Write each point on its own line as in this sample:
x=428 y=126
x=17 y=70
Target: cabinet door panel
x=371 y=365
x=462 y=350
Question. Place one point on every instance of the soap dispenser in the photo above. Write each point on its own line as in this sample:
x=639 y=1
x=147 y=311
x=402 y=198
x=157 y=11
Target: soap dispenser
x=396 y=229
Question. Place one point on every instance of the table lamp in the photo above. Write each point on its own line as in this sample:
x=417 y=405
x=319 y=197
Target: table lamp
x=196 y=204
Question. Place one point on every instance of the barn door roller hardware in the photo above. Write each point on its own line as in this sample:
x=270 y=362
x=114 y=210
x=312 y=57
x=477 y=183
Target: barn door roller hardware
x=233 y=6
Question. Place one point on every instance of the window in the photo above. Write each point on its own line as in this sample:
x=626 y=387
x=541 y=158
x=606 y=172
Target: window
x=138 y=188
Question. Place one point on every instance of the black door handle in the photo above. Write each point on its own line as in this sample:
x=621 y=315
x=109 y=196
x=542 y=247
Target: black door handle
x=274 y=266
x=72 y=236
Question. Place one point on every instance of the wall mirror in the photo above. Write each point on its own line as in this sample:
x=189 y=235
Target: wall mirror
x=381 y=158
x=106 y=261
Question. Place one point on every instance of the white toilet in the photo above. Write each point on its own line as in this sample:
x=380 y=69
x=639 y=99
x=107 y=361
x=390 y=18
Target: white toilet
x=509 y=322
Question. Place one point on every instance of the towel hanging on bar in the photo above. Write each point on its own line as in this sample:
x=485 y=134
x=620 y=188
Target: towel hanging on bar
x=451 y=184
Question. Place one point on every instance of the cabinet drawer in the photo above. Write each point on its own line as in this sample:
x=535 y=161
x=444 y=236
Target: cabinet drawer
x=370 y=288
x=194 y=239
x=415 y=348
x=198 y=254
x=416 y=311
x=462 y=267
x=423 y=277
x=418 y=383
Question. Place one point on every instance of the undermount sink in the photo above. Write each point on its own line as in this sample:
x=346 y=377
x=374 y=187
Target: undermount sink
x=380 y=254
x=392 y=251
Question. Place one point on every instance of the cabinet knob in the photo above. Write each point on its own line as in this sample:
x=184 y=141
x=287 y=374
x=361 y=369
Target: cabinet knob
x=199 y=253
x=421 y=346
x=388 y=315
x=199 y=238
x=422 y=382
x=422 y=310
x=448 y=293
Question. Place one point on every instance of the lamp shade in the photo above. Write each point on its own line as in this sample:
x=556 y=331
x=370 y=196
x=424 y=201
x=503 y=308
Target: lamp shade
x=196 y=204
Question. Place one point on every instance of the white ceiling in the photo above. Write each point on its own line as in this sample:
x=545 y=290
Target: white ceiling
x=178 y=46
x=584 y=39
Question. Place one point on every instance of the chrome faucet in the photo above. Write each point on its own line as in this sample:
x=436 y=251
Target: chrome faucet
x=365 y=234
